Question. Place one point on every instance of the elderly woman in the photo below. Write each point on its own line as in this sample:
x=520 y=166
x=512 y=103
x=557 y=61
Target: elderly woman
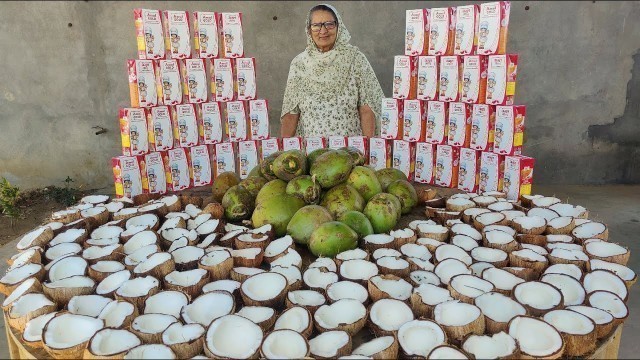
x=331 y=89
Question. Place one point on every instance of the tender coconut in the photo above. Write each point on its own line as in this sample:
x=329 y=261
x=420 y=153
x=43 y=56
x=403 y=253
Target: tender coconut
x=67 y=330
x=257 y=314
x=384 y=252
x=55 y=252
x=622 y=271
x=113 y=282
x=116 y=312
x=605 y=280
x=589 y=230
x=29 y=304
x=536 y=337
x=449 y=268
x=390 y=314
x=446 y=352
x=470 y=286
x=609 y=302
x=228 y=285
x=284 y=344
x=424 y=277
x=297 y=319
x=379 y=239
x=63 y=267
x=139 y=240
x=501 y=279
x=420 y=337
x=608 y=251
x=292 y=273
x=137 y=287
x=478 y=267
x=278 y=246
x=382 y=344
x=33 y=329
x=112 y=341
x=466 y=230
x=341 y=312
x=317 y=278
x=572 y=291
x=347 y=290
x=90 y=305
x=330 y=343
x=448 y=251
x=321 y=262
x=177 y=333
x=358 y=269
x=97 y=252
x=570 y=322
x=489 y=255
x=68 y=236
x=264 y=286
x=291 y=258
x=538 y=295
x=497 y=346
x=233 y=336
x=140 y=255
x=208 y=307
x=500 y=206
x=465 y=242
x=599 y=317
x=413 y=225
x=38 y=237
x=498 y=307
x=567 y=269
x=392 y=263
x=396 y=288
x=306 y=298
x=538 y=249
x=106 y=232
x=103 y=242
x=150 y=351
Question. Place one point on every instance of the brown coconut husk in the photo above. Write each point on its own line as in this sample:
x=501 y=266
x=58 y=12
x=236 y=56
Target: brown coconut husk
x=579 y=345
x=192 y=290
x=274 y=303
x=188 y=350
x=220 y=271
x=376 y=293
x=456 y=334
x=159 y=271
x=89 y=355
x=35 y=258
x=553 y=260
x=621 y=259
x=311 y=308
x=150 y=338
x=240 y=261
x=539 y=240
x=66 y=218
x=137 y=301
x=238 y=276
x=535 y=312
x=61 y=296
x=436 y=202
x=20 y=322
x=257 y=241
x=533 y=231
x=187 y=199
x=73 y=352
x=538 y=267
x=443 y=216
x=389 y=353
x=351 y=329
x=565 y=230
x=425 y=195
x=400 y=273
x=525 y=273
x=508 y=247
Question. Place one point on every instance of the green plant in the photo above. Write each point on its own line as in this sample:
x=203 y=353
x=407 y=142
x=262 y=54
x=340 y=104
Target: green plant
x=9 y=198
x=66 y=195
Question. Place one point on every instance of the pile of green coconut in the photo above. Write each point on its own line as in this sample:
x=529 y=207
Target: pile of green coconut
x=328 y=200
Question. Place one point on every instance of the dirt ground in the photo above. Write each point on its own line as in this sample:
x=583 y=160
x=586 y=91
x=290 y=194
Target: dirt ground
x=34 y=213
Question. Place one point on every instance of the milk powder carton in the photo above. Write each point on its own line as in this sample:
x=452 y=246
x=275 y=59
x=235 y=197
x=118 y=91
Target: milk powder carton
x=501 y=79
x=483 y=119
x=236 y=121
x=379 y=153
x=493 y=23
x=200 y=161
x=337 y=142
x=314 y=143
x=225 y=158
x=441 y=32
x=246 y=78
x=473 y=82
x=414 y=40
x=404 y=77
x=518 y=176
x=185 y=124
x=177 y=34
x=142 y=83
x=413 y=124
x=491 y=169
x=509 y=130
x=449 y=80
x=155 y=176
x=231 y=42
x=361 y=143
x=169 y=81
x=180 y=177
x=447 y=162
x=127 y=176
x=133 y=131
x=428 y=69
x=222 y=80
x=403 y=155
x=269 y=146
x=465 y=29
x=292 y=143
x=210 y=128
x=259 y=119
x=468 y=170
x=247 y=157
x=459 y=124
x=391 y=119
x=149 y=34
x=425 y=160
x=160 y=127
x=205 y=33
x=435 y=128
x=195 y=80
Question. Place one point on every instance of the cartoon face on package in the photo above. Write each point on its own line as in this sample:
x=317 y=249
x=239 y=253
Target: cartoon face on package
x=459 y=121
x=171 y=88
x=449 y=69
x=225 y=158
x=268 y=147
x=206 y=34
x=156 y=178
x=427 y=78
x=232 y=44
x=187 y=125
x=439 y=31
x=466 y=17
x=248 y=157
x=222 y=80
x=473 y=84
x=412 y=120
x=489 y=172
x=259 y=119
x=379 y=153
x=178 y=35
x=414 y=41
x=127 y=176
x=179 y=168
x=508 y=132
x=211 y=123
x=389 y=122
x=501 y=79
x=492 y=28
x=468 y=169
x=195 y=78
x=149 y=34
x=246 y=78
x=133 y=122
x=402 y=157
x=435 y=129
x=518 y=176
x=200 y=165
x=142 y=83
x=425 y=156
x=480 y=127
x=402 y=73
x=447 y=166
x=236 y=121
x=160 y=129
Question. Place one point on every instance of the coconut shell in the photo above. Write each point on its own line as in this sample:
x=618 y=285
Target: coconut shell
x=35 y=258
x=425 y=195
x=89 y=355
x=389 y=353
x=270 y=259
x=274 y=303
x=527 y=274
x=267 y=325
x=565 y=230
x=67 y=218
x=176 y=206
x=478 y=225
x=535 y=312
x=553 y=260
x=371 y=247
x=429 y=356
x=239 y=261
x=436 y=202
x=192 y=290
x=539 y=230
x=399 y=241
x=508 y=247
x=539 y=240
x=310 y=308
x=99 y=219
x=124 y=217
x=227 y=240
x=494 y=327
x=126 y=323
x=398 y=273
x=159 y=271
x=239 y=277
x=442 y=216
x=459 y=207
x=456 y=334
x=36 y=287
x=138 y=301
x=220 y=271
x=188 y=350
x=376 y=293
x=342 y=351
x=116 y=255
x=537 y=266
x=74 y=352
x=579 y=345
x=351 y=329
x=7 y=288
x=187 y=199
x=61 y=296
x=150 y=338
x=420 y=309
x=19 y=323
x=440 y=236
x=262 y=243
x=430 y=212
x=621 y=259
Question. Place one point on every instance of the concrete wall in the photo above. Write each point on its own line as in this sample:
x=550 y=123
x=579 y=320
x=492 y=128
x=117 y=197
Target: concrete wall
x=63 y=73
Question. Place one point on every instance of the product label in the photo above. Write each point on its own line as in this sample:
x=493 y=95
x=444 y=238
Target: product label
x=134 y=132
x=246 y=78
x=259 y=119
x=160 y=128
x=179 y=166
x=518 y=176
x=196 y=80
x=425 y=156
x=467 y=174
x=471 y=77
x=269 y=146
x=378 y=153
x=187 y=125
x=414 y=32
x=211 y=131
x=206 y=34
x=496 y=79
x=489 y=28
x=401 y=77
x=149 y=34
x=248 y=157
x=427 y=78
x=439 y=31
x=225 y=158
x=155 y=173
x=200 y=165
x=449 y=66
x=489 y=172
x=504 y=130
x=336 y=142
x=480 y=128
x=402 y=157
x=232 y=45
x=412 y=120
x=446 y=166
x=358 y=142
x=170 y=84
x=222 y=80
x=313 y=143
x=236 y=121
x=178 y=38
x=391 y=113
x=465 y=29
x=291 y=143
x=436 y=120
x=145 y=79
x=459 y=119
x=127 y=176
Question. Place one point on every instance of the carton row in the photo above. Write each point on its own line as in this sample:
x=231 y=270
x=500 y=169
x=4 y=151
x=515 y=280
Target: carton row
x=460 y=30
x=168 y=35
x=162 y=128
x=472 y=79
x=173 y=82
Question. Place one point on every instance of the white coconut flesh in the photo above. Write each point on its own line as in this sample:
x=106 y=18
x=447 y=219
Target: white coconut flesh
x=284 y=344
x=604 y=249
x=424 y=277
x=478 y=267
x=467 y=230
x=534 y=336
x=209 y=240
x=257 y=314
x=27 y=256
x=512 y=214
x=292 y=273
x=248 y=271
x=446 y=352
x=306 y=298
x=390 y=314
x=358 y=269
x=89 y=305
x=177 y=333
x=496 y=346
x=460 y=202
x=151 y=262
x=560 y=222
x=465 y=242
x=413 y=225
x=177 y=233
x=490 y=255
x=215 y=257
x=166 y=302
x=249 y=253
x=106 y=232
x=137 y=287
x=379 y=239
x=126 y=212
x=231 y=234
x=570 y=322
x=77 y=281
x=68 y=330
x=530 y=222
x=498 y=237
x=192 y=210
x=600 y=317
x=374 y=346
x=208 y=227
x=295 y=318
x=503 y=228
x=489 y=218
x=589 y=230
x=462 y=196
x=538 y=249
x=62 y=250
x=396 y=288
x=421 y=264
x=354 y=254
x=187 y=254
x=54 y=225
x=341 y=312
x=152 y=323
x=233 y=336
x=107 y=266
x=116 y=312
x=185 y=278
x=498 y=307
x=208 y=307
x=473 y=212
x=455 y=313
x=568 y=210
x=567 y=269
x=393 y=263
x=383 y=252
x=225 y=285
x=192 y=224
x=608 y=302
x=501 y=279
x=576 y=255
x=114 y=206
x=589 y=241
x=93 y=211
x=21 y=273
x=112 y=341
x=559 y=239
x=545 y=201
x=328 y=343
x=544 y=213
x=28 y=303
x=94 y=199
x=426 y=229
x=402 y=233
x=622 y=271
x=28 y=239
x=139 y=240
x=64 y=213
x=113 y=282
x=252 y=238
x=152 y=206
x=102 y=242
x=429 y=242
x=419 y=337
x=264 y=286
x=448 y=251
x=449 y=268
x=605 y=280
x=347 y=290
x=572 y=291
x=529 y=255
x=484 y=199
x=500 y=206
x=19 y=291
x=96 y=252
x=291 y=258
x=150 y=351
x=140 y=255
x=171 y=222
x=470 y=285
x=33 y=329
x=71 y=235
x=278 y=246
x=538 y=295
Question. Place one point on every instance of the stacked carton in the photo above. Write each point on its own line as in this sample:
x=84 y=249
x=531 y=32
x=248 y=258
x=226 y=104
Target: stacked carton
x=452 y=121
x=194 y=107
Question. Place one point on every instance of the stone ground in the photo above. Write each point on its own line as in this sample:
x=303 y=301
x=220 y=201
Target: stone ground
x=616 y=205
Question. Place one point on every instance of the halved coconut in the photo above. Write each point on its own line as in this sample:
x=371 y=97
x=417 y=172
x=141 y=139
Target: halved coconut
x=249 y=240
x=124 y=214
x=218 y=263
x=436 y=232
x=625 y=273
x=284 y=344
x=484 y=200
x=560 y=225
x=465 y=242
x=190 y=281
x=347 y=290
x=387 y=315
x=231 y=286
x=425 y=297
x=389 y=287
x=448 y=251
x=89 y=305
x=134 y=259
x=248 y=257
x=469 y=214
x=56 y=226
x=413 y=225
x=209 y=240
x=291 y=258
x=503 y=280
x=168 y=236
x=590 y=230
x=536 y=338
x=94 y=254
x=149 y=327
x=492 y=218
x=348 y=315
x=500 y=206
x=112 y=282
x=498 y=346
x=70 y=236
x=544 y=213
x=459 y=204
x=393 y=266
x=157 y=265
x=578 y=331
x=168 y=302
x=528 y=258
x=100 y=270
x=419 y=263
x=459 y=319
x=295 y=318
x=449 y=268
x=538 y=297
x=447 y=352
x=503 y=228
x=358 y=270
x=38 y=237
x=208 y=307
x=174 y=220
x=511 y=214
x=565 y=246
x=466 y=230
x=240 y=274
x=572 y=291
x=150 y=351
x=106 y=232
x=31 y=255
x=32 y=334
x=611 y=303
x=527 y=274
x=605 y=280
x=382 y=252
x=498 y=310
x=94 y=199
x=564 y=256
x=229 y=238
x=264 y=289
x=319 y=278
x=417 y=338
x=118 y=314
x=466 y=288
x=27 y=307
x=539 y=249
x=140 y=240
x=114 y=206
x=330 y=344
x=384 y=347
x=31 y=285
x=187 y=257
x=61 y=291
x=570 y=210
x=430 y=244
x=192 y=224
x=402 y=237
x=355 y=254
x=478 y=267
x=602 y=319
x=264 y=317
x=233 y=336
x=101 y=243
x=527 y=199
x=567 y=269
x=66 y=335
x=293 y=275
x=278 y=248
x=186 y=341
x=60 y=250
x=98 y=215
x=500 y=240
x=111 y=343
x=159 y=208
x=545 y=201
x=376 y=241
x=137 y=290
x=530 y=225
x=424 y=277
x=608 y=252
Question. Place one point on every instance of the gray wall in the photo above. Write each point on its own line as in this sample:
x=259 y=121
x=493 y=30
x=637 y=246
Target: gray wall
x=63 y=72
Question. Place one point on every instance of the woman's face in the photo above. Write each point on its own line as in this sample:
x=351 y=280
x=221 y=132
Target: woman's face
x=324 y=39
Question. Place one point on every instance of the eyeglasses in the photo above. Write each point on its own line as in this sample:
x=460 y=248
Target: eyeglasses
x=329 y=25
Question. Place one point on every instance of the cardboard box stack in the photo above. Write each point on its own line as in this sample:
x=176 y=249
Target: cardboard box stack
x=195 y=110
x=452 y=117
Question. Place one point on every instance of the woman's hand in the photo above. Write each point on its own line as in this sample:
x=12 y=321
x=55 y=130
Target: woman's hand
x=367 y=121
x=289 y=125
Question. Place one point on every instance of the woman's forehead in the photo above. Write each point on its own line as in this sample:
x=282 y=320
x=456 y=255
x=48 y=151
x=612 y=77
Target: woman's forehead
x=321 y=16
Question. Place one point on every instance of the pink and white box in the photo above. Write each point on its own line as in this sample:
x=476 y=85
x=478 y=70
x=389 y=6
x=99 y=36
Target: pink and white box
x=292 y=143
x=161 y=128
x=314 y=143
x=428 y=69
x=155 y=173
x=170 y=84
x=195 y=80
x=425 y=161
x=186 y=125
x=211 y=126
x=232 y=43
x=201 y=165
x=482 y=122
x=180 y=178
x=337 y=142
x=246 y=78
x=236 y=121
x=247 y=157
x=225 y=158
x=379 y=153
x=205 y=34
x=177 y=34
x=259 y=119
x=468 y=172
x=269 y=146
x=391 y=119
x=222 y=80
x=449 y=78
x=435 y=128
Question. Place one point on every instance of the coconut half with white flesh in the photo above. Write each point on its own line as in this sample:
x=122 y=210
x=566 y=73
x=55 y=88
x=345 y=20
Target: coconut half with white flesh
x=112 y=282
x=611 y=303
x=607 y=251
x=498 y=310
x=171 y=235
x=262 y=316
x=389 y=287
x=567 y=256
x=347 y=290
x=70 y=236
x=308 y=299
x=500 y=240
x=491 y=218
x=408 y=250
x=32 y=334
x=98 y=215
x=134 y=259
x=382 y=252
x=602 y=319
x=89 y=305
x=448 y=251
x=570 y=210
x=240 y=274
x=61 y=291
x=218 y=263
x=27 y=307
x=496 y=257
x=459 y=204
x=522 y=272
x=190 y=281
x=168 y=302
x=32 y=255
x=192 y=224
x=417 y=338
x=208 y=307
x=264 y=289
x=291 y=258
x=149 y=327
x=124 y=214
x=318 y=278
x=38 y=237
x=293 y=275
x=186 y=341
x=248 y=240
x=102 y=243
x=605 y=280
x=111 y=344
x=393 y=266
x=466 y=230
x=94 y=254
x=578 y=331
x=330 y=345
x=526 y=200
x=376 y=241
x=157 y=265
x=503 y=280
x=544 y=213
x=284 y=344
x=538 y=297
x=430 y=244
x=539 y=249
x=150 y=351
x=465 y=242
x=248 y=257
x=413 y=225
x=498 y=346
x=590 y=230
x=448 y=268
x=466 y=288
x=347 y=315
x=187 y=257
x=12 y=279
x=278 y=248
x=137 y=290
x=233 y=337
x=436 y=232
x=387 y=315
x=572 y=291
x=567 y=269
x=228 y=285
x=545 y=201
x=529 y=225
x=469 y=214
x=459 y=319
x=500 y=206
x=118 y=314
x=478 y=267
x=58 y=251
x=561 y=225
x=536 y=338
x=447 y=352
x=384 y=347
x=425 y=297
x=66 y=335
x=419 y=264
x=297 y=319
x=229 y=238
x=358 y=270
x=31 y=285
x=101 y=269
x=625 y=273
x=174 y=220
x=419 y=277
x=528 y=258
x=402 y=237
x=139 y=240
x=355 y=254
